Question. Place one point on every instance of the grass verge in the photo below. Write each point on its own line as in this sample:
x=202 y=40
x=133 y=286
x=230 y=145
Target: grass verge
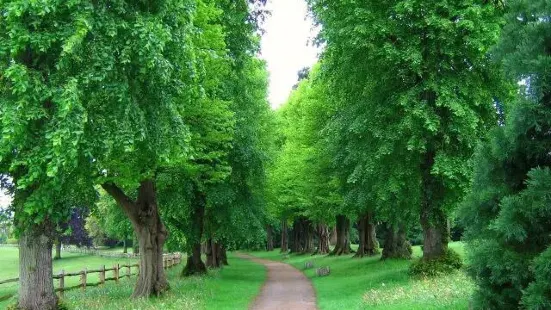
x=375 y=284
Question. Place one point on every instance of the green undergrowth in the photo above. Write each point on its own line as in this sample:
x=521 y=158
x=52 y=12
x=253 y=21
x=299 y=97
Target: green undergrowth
x=370 y=283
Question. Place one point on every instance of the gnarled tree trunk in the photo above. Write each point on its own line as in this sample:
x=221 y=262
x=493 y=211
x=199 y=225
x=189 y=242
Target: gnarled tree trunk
x=396 y=244
x=284 y=237
x=151 y=233
x=36 y=286
x=323 y=239
x=194 y=263
x=343 y=236
x=269 y=238
x=369 y=245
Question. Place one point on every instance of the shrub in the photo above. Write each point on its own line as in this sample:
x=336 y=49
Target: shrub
x=445 y=264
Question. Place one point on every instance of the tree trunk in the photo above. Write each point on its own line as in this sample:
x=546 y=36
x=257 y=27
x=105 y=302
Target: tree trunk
x=323 y=239
x=396 y=244
x=57 y=244
x=223 y=255
x=213 y=254
x=369 y=245
x=432 y=218
x=269 y=238
x=343 y=236
x=194 y=263
x=125 y=246
x=307 y=236
x=284 y=238
x=151 y=234
x=36 y=286
x=295 y=237
x=333 y=237
x=135 y=244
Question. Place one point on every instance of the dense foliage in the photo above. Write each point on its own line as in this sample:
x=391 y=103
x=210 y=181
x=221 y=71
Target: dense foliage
x=149 y=121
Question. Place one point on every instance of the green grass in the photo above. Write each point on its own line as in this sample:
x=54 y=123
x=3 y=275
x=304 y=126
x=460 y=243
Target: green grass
x=70 y=262
x=370 y=283
x=233 y=287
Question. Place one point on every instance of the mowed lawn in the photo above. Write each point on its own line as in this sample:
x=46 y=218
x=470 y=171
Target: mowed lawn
x=233 y=287
x=370 y=283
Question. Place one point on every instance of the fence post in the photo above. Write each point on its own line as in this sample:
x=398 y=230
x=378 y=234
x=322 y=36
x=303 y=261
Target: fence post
x=83 y=280
x=116 y=273
x=61 y=283
x=102 y=276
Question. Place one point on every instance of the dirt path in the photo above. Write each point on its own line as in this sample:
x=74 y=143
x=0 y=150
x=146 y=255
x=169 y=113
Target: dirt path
x=285 y=288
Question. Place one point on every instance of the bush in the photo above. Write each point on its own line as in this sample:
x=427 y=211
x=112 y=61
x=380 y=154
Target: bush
x=12 y=241
x=445 y=264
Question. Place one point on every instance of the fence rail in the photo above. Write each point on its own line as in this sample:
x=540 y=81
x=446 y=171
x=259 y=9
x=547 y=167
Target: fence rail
x=169 y=261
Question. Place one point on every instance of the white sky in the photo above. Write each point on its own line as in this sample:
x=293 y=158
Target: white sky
x=285 y=46
x=4 y=200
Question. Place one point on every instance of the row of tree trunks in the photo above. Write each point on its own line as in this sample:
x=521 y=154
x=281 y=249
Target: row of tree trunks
x=302 y=236
x=396 y=244
x=284 y=237
x=323 y=239
x=343 y=236
x=151 y=233
x=194 y=263
x=369 y=245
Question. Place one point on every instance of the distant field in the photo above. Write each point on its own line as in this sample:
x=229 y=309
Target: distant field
x=70 y=262
x=370 y=283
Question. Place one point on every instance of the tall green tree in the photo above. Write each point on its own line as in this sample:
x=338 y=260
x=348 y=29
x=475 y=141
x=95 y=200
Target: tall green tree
x=507 y=214
x=93 y=91
x=415 y=90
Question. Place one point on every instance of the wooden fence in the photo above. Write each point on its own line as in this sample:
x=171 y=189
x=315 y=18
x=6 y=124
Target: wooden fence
x=169 y=261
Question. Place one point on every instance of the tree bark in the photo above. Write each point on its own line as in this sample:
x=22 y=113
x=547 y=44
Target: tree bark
x=323 y=239
x=396 y=244
x=307 y=236
x=125 y=246
x=343 y=236
x=57 y=244
x=194 y=263
x=284 y=237
x=269 y=238
x=432 y=218
x=223 y=255
x=151 y=233
x=135 y=244
x=36 y=286
x=213 y=254
x=369 y=245
x=333 y=236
